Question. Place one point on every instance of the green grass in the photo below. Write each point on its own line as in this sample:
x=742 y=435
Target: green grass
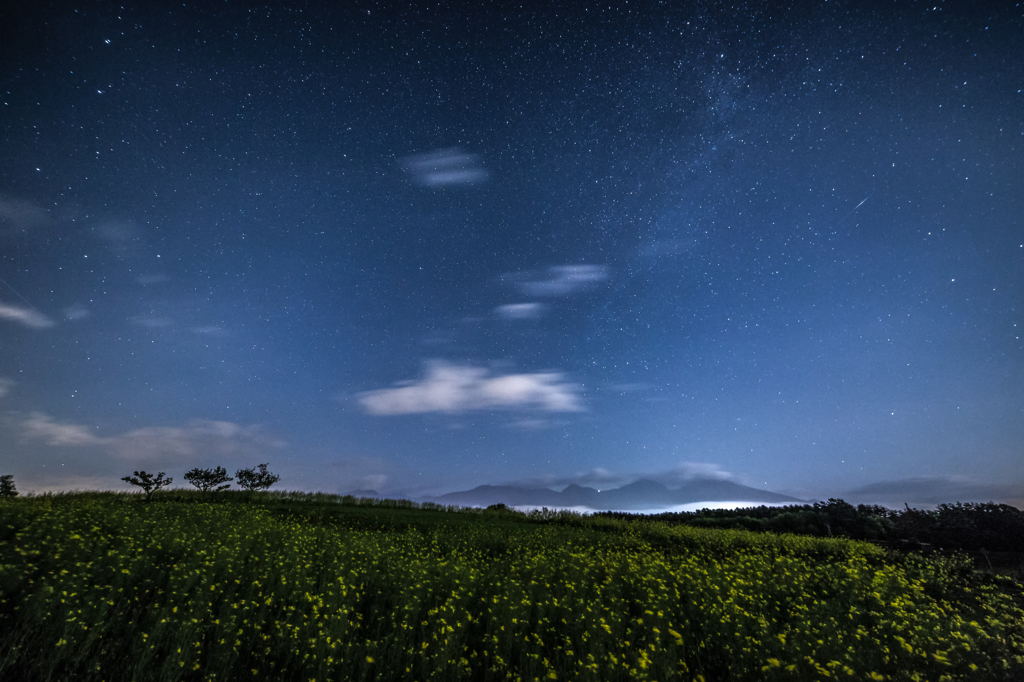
x=293 y=586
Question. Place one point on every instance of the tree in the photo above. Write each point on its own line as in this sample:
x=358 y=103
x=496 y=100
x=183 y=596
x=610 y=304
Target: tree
x=148 y=482
x=207 y=479
x=7 y=488
x=251 y=479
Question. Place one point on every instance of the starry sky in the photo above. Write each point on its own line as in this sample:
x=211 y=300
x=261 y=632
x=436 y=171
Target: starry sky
x=417 y=247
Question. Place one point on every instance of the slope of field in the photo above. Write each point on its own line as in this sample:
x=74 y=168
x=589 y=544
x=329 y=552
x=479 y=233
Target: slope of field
x=104 y=586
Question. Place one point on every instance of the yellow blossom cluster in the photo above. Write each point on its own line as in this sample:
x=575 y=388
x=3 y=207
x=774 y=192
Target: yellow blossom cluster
x=96 y=587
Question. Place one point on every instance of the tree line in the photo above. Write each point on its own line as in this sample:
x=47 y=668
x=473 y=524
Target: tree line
x=970 y=526
x=206 y=480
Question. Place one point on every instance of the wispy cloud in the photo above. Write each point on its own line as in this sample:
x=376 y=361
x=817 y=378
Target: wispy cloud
x=601 y=478
x=353 y=473
x=693 y=471
x=935 y=490
x=41 y=427
x=18 y=215
x=374 y=482
x=560 y=280
x=29 y=317
x=5 y=386
x=460 y=388
x=520 y=311
x=194 y=439
x=76 y=312
x=198 y=437
x=123 y=238
x=445 y=167
x=533 y=423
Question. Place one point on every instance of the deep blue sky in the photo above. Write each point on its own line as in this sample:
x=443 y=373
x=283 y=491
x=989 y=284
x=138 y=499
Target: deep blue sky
x=422 y=247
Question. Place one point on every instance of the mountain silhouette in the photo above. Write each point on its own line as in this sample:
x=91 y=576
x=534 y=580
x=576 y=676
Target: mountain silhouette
x=639 y=495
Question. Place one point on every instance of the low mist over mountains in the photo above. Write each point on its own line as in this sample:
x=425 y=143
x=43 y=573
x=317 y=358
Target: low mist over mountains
x=641 y=495
x=650 y=496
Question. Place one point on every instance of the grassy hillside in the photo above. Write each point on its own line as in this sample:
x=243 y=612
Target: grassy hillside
x=231 y=586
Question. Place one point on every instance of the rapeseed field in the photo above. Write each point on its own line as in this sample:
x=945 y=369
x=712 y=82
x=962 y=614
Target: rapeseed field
x=285 y=587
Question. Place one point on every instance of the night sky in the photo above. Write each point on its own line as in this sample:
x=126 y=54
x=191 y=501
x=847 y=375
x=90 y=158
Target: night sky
x=415 y=248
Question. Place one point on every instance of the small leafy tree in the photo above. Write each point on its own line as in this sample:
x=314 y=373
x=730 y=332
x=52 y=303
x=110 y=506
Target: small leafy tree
x=7 y=488
x=251 y=479
x=148 y=482
x=209 y=479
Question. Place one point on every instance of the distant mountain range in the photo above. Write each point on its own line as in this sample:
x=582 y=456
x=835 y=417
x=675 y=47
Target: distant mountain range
x=648 y=495
x=935 y=490
x=641 y=495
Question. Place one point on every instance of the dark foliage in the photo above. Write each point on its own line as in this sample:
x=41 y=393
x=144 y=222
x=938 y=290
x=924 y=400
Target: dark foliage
x=209 y=479
x=148 y=482
x=256 y=478
x=7 y=488
x=970 y=527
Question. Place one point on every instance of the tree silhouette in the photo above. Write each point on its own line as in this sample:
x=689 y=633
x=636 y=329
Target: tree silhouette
x=251 y=479
x=148 y=482
x=207 y=479
x=7 y=488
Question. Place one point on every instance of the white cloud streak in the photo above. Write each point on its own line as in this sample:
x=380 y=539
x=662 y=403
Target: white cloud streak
x=561 y=280
x=602 y=478
x=693 y=471
x=196 y=438
x=42 y=427
x=445 y=167
x=520 y=311
x=460 y=388
x=33 y=319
